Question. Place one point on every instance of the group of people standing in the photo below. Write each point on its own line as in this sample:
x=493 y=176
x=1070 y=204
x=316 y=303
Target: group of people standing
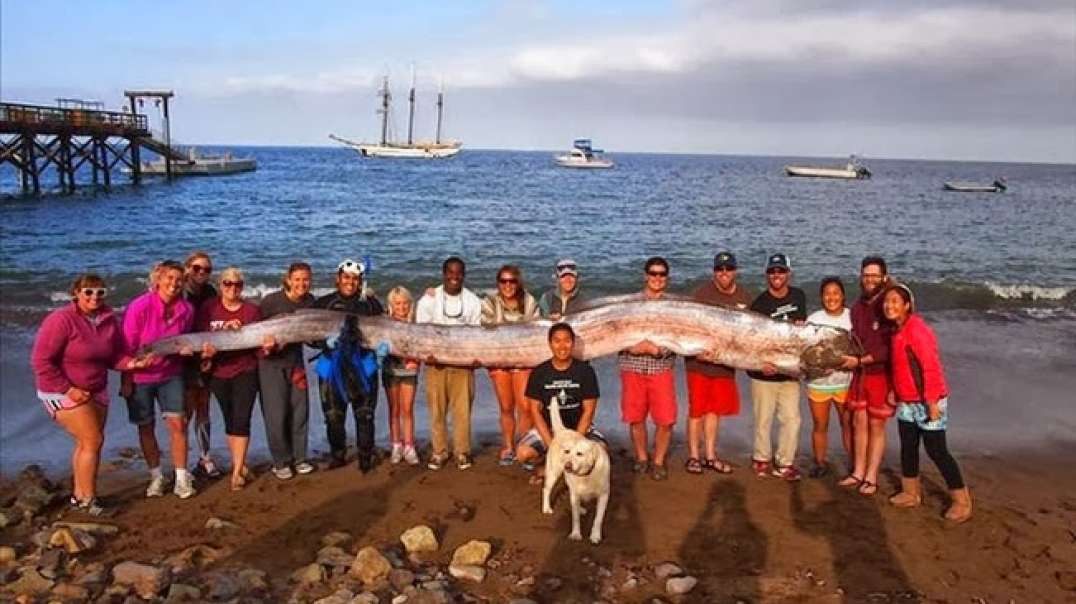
x=899 y=374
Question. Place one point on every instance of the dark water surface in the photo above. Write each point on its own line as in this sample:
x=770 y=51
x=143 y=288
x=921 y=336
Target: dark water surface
x=997 y=272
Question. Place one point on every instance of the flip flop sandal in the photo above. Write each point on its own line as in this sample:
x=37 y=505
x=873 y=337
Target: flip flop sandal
x=718 y=465
x=527 y=466
x=641 y=467
x=693 y=465
x=851 y=481
x=868 y=488
x=660 y=472
x=507 y=458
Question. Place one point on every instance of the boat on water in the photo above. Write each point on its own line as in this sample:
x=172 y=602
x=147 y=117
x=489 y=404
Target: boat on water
x=195 y=163
x=853 y=170
x=583 y=155
x=999 y=185
x=412 y=149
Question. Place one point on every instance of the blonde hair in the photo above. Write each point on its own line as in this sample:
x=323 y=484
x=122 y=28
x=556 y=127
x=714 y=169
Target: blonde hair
x=230 y=273
x=400 y=292
x=160 y=267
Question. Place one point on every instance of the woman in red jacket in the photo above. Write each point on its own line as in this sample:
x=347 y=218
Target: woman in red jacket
x=922 y=404
x=75 y=347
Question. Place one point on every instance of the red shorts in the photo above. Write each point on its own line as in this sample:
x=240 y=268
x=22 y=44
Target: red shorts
x=711 y=394
x=641 y=394
x=870 y=391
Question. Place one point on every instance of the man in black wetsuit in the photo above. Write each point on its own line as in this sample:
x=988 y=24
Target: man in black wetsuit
x=349 y=297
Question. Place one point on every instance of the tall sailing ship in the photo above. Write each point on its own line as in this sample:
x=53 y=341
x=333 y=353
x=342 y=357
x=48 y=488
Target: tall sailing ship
x=412 y=149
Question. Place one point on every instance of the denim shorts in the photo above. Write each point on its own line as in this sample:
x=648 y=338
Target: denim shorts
x=168 y=395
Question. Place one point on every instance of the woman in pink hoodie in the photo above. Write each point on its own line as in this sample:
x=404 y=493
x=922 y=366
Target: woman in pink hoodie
x=922 y=398
x=73 y=350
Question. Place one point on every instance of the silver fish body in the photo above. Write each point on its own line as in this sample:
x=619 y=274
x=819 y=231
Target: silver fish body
x=289 y=328
x=735 y=338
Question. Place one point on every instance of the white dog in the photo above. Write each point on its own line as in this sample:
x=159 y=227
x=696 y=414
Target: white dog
x=585 y=466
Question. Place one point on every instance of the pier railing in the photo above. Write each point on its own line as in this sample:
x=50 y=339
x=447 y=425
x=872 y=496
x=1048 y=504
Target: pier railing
x=77 y=121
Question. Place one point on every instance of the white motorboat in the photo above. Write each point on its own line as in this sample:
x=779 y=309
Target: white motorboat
x=199 y=164
x=583 y=155
x=412 y=149
x=851 y=171
x=999 y=185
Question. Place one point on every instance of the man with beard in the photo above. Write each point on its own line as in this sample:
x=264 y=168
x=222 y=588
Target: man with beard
x=870 y=383
x=349 y=297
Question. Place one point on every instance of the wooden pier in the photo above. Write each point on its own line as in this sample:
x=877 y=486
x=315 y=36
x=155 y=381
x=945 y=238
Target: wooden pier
x=35 y=138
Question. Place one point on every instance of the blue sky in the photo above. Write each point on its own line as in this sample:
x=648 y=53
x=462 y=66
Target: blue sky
x=989 y=79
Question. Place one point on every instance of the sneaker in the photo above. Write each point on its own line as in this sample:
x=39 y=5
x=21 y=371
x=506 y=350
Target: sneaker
x=366 y=462
x=437 y=460
x=184 y=488
x=304 y=467
x=463 y=461
x=283 y=473
x=156 y=487
x=337 y=462
x=761 y=468
x=789 y=473
x=207 y=468
x=397 y=453
x=93 y=507
x=410 y=455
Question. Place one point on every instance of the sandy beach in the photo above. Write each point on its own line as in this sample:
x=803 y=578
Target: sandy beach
x=743 y=538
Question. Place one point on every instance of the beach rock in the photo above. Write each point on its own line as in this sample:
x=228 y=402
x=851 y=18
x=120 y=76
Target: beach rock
x=522 y=601
x=429 y=597
x=399 y=599
x=337 y=539
x=629 y=584
x=419 y=539
x=146 y=580
x=401 y=578
x=7 y=518
x=253 y=582
x=679 y=586
x=221 y=586
x=73 y=541
x=30 y=582
x=93 y=528
x=467 y=572
x=434 y=585
x=311 y=574
x=472 y=553
x=332 y=555
x=394 y=559
x=8 y=554
x=94 y=573
x=195 y=556
x=214 y=523
x=51 y=563
x=365 y=598
x=32 y=499
x=181 y=592
x=340 y=596
x=667 y=569
x=70 y=592
x=552 y=583
x=370 y=566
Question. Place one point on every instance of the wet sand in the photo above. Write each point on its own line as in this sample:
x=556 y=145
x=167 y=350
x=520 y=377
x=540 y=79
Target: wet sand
x=744 y=538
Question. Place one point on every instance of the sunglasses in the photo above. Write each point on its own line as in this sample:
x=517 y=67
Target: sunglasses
x=201 y=269
x=657 y=273
x=508 y=280
x=232 y=283
x=94 y=292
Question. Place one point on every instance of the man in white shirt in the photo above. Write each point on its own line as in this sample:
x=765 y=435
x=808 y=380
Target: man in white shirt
x=450 y=389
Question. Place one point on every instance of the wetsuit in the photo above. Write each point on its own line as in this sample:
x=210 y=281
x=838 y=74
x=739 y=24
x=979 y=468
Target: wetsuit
x=362 y=405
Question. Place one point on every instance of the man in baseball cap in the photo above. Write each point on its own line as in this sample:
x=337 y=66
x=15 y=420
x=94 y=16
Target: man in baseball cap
x=565 y=296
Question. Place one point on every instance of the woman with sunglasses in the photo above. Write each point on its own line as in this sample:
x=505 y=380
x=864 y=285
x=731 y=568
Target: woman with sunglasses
x=233 y=376
x=511 y=304
x=196 y=290
x=73 y=350
x=923 y=404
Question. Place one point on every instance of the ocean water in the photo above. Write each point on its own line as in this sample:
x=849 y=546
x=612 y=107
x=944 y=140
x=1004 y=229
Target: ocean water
x=996 y=273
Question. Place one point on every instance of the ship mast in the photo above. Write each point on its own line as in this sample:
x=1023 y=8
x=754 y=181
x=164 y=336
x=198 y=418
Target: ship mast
x=384 y=110
x=440 y=110
x=411 y=98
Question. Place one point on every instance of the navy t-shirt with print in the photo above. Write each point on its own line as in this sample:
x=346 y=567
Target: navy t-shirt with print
x=792 y=307
x=572 y=386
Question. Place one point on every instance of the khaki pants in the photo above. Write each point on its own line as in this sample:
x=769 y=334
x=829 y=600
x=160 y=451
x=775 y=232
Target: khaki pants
x=450 y=390
x=783 y=400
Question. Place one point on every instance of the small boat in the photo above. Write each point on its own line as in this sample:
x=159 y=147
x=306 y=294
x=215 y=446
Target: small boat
x=412 y=149
x=851 y=171
x=200 y=164
x=998 y=186
x=583 y=155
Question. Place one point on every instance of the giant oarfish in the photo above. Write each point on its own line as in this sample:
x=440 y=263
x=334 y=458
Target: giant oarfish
x=736 y=338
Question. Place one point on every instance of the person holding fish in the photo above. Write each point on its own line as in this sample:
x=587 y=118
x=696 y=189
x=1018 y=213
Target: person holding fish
x=400 y=378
